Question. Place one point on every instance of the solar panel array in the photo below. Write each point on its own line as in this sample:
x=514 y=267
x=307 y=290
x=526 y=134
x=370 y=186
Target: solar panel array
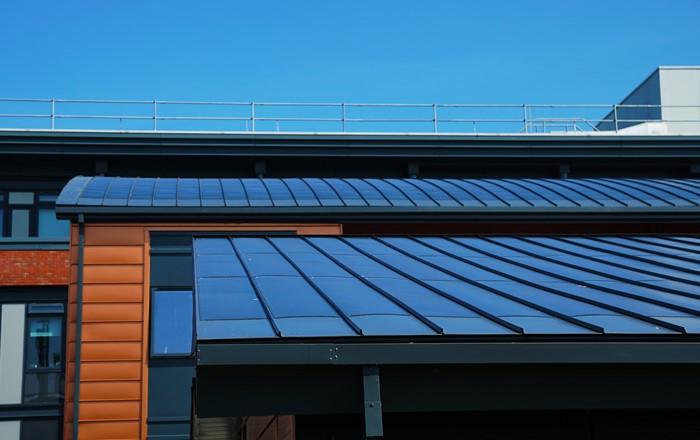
x=335 y=286
x=380 y=193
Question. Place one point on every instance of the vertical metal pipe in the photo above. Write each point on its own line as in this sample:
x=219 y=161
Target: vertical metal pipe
x=525 y=118
x=343 y=107
x=155 y=116
x=78 y=324
x=435 y=128
x=615 y=116
x=53 y=112
x=252 y=116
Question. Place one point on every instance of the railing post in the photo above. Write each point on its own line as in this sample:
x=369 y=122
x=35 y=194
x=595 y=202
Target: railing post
x=252 y=116
x=343 y=109
x=435 y=127
x=525 y=118
x=53 y=113
x=155 y=116
x=615 y=116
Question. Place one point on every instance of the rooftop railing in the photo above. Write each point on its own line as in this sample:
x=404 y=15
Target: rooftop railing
x=249 y=117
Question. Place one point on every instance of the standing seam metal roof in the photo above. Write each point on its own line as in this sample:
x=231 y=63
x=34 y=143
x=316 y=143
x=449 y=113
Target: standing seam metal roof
x=289 y=193
x=271 y=286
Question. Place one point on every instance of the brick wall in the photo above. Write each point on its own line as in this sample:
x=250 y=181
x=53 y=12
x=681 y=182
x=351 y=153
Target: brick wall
x=34 y=268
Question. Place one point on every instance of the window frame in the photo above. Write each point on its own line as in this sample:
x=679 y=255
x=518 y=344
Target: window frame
x=27 y=335
x=152 y=322
x=34 y=209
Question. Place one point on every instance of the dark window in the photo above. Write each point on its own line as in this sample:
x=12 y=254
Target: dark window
x=172 y=323
x=43 y=375
x=44 y=429
x=30 y=214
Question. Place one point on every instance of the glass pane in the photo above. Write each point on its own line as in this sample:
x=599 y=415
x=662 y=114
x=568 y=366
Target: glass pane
x=44 y=346
x=21 y=198
x=44 y=429
x=20 y=223
x=48 y=197
x=172 y=322
x=49 y=226
x=45 y=387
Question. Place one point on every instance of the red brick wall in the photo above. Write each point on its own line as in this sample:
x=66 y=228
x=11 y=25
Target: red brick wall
x=34 y=268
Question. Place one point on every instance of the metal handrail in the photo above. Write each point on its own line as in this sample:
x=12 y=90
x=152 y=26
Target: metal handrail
x=343 y=117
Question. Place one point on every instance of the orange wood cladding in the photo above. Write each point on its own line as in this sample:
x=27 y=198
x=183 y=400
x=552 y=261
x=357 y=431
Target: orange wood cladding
x=114 y=373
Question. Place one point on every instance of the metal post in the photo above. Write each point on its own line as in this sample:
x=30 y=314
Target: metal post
x=155 y=116
x=525 y=118
x=53 y=112
x=343 y=107
x=435 y=128
x=252 y=116
x=615 y=116
x=78 y=326
x=373 y=403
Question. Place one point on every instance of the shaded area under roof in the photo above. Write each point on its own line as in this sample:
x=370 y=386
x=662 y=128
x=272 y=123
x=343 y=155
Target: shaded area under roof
x=272 y=287
x=353 y=196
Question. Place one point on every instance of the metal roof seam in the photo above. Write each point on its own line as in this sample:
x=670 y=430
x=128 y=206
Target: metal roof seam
x=436 y=328
x=610 y=187
x=494 y=291
x=587 y=284
x=609 y=263
x=624 y=255
x=677 y=184
x=497 y=183
x=581 y=182
x=318 y=290
x=256 y=289
x=636 y=248
x=474 y=183
x=660 y=187
x=563 y=196
x=642 y=241
x=465 y=304
x=632 y=184
x=565 y=184
x=520 y=185
x=593 y=271
x=408 y=182
x=450 y=195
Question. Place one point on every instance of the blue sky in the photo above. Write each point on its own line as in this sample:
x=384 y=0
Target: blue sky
x=444 y=51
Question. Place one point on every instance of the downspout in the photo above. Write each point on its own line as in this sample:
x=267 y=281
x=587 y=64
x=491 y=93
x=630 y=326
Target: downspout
x=78 y=324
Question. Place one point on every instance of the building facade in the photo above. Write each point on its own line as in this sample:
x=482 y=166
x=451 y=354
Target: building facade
x=109 y=291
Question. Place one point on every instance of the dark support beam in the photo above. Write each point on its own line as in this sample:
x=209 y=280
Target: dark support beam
x=413 y=170
x=260 y=168
x=373 y=402
x=564 y=171
x=101 y=167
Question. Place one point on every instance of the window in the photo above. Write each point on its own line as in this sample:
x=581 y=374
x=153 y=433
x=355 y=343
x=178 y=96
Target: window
x=172 y=323
x=30 y=214
x=44 y=429
x=43 y=376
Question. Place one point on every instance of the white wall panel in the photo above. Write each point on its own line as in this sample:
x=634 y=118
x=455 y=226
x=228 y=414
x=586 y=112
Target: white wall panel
x=9 y=430
x=11 y=354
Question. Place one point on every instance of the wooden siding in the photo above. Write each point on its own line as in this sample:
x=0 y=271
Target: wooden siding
x=114 y=374
x=112 y=368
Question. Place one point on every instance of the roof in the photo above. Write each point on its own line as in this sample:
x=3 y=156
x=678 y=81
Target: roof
x=273 y=287
x=344 y=198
